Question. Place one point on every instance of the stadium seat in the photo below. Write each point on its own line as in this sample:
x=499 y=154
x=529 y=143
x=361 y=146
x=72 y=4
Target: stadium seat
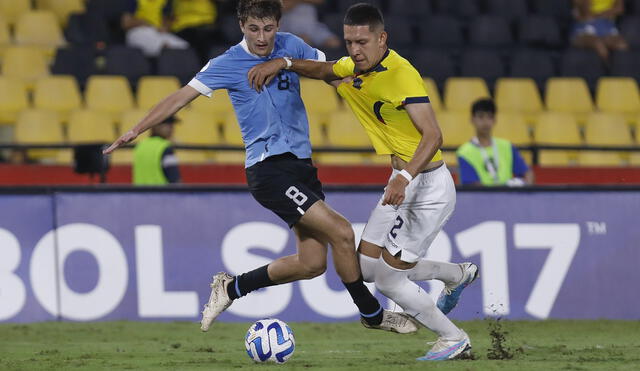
x=539 y=32
x=630 y=30
x=231 y=137
x=11 y=10
x=456 y=128
x=318 y=96
x=605 y=129
x=436 y=64
x=582 y=63
x=123 y=156
x=569 y=95
x=508 y=9
x=554 y=8
x=128 y=62
x=599 y=159
x=40 y=29
x=434 y=94
x=537 y=65
x=196 y=128
x=344 y=130
x=13 y=99
x=519 y=95
x=343 y=5
x=76 y=61
x=218 y=106
x=181 y=63
x=484 y=64
x=128 y=119
x=400 y=33
x=61 y=8
x=490 y=31
x=410 y=8
x=626 y=64
x=87 y=126
x=634 y=159
x=109 y=94
x=441 y=31
x=461 y=8
x=620 y=95
x=557 y=128
x=461 y=92
x=152 y=89
x=57 y=93
x=512 y=126
x=232 y=33
x=5 y=36
x=25 y=63
x=39 y=127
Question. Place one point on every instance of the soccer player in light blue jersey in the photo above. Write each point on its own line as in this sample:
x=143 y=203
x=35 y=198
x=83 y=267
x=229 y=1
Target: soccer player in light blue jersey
x=278 y=165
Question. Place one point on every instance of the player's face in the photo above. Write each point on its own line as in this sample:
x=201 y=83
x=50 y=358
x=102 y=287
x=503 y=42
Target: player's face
x=484 y=122
x=260 y=35
x=365 y=47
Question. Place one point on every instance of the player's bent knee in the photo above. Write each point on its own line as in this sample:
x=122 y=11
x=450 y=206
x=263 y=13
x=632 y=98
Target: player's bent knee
x=314 y=270
x=343 y=237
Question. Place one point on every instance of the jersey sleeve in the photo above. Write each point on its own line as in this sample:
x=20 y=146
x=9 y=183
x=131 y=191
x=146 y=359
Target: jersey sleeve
x=406 y=87
x=344 y=67
x=214 y=75
x=468 y=174
x=520 y=168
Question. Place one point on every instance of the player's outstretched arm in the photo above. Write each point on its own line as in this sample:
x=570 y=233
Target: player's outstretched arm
x=160 y=112
x=262 y=74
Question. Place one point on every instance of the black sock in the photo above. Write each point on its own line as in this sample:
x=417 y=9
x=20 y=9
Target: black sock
x=250 y=281
x=368 y=305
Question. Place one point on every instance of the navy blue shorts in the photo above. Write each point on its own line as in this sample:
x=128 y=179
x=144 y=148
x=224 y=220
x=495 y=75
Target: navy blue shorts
x=286 y=185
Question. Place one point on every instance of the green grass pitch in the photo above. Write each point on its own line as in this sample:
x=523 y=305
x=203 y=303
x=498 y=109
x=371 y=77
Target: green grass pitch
x=534 y=345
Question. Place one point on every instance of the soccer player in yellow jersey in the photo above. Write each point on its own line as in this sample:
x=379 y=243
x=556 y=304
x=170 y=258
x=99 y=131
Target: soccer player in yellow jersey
x=389 y=98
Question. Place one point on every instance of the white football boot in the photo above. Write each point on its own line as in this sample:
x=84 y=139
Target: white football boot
x=218 y=300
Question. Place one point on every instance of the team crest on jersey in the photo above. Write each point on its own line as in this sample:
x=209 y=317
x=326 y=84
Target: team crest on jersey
x=357 y=83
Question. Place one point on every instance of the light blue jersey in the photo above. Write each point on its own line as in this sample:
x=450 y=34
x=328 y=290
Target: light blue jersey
x=273 y=121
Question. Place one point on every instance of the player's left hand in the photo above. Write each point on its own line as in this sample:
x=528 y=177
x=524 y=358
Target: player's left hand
x=394 y=192
x=262 y=74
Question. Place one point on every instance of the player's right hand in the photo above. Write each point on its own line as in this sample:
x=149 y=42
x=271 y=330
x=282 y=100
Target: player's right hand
x=124 y=139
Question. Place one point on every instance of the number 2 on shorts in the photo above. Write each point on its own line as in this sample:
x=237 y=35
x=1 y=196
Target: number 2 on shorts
x=398 y=224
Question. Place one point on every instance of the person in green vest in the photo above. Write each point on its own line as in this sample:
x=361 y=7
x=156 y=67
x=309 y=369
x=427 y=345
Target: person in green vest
x=487 y=160
x=154 y=162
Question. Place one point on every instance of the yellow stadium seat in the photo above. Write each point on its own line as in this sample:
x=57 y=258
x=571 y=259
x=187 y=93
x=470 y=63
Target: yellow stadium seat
x=57 y=93
x=317 y=129
x=344 y=130
x=25 y=63
x=461 y=92
x=5 y=36
x=569 y=94
x=62 y=8
x=109 y=94
x=39 y=127
x=434 y=94
x=11 y=10
x=519 y=95
x=512 y=126
x=318 y=96
x=13 y=99
x=39 y=29
x=599 y=158
x=606 y=129
x=122 y=156
x=153 y=89
x=128 y=120
x=450 y=158
x=619 y=95
x=218 y=106
x=557 y=128
x=87 y=126
x=196 y=128
x=232 y=137
x=456 y=128
x=634 y=159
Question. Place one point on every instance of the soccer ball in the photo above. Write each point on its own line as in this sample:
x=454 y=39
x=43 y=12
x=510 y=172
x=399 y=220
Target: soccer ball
x=270 y=340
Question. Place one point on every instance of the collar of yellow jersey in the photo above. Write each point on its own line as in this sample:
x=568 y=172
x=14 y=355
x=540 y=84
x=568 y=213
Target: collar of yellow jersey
x=377 y=68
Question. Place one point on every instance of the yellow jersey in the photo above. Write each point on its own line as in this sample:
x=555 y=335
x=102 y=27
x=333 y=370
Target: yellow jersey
x=378 y=96
x=599 y=6
x=193 y=13
x=151 y=11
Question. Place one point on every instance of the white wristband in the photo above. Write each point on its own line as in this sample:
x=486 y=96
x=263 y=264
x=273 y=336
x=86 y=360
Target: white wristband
x=288 y=61
x=406 y=175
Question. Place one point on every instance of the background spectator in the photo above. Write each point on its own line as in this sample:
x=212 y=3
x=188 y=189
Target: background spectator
x=154 y=162
x=300 y=17
x=595 y=26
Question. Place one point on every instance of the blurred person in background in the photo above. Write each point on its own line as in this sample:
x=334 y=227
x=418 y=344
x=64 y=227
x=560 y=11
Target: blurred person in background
x=154 y=162
x=195 y=22
x=487 y=160
x=595 y=26
x=147 y=23
x=300 y=17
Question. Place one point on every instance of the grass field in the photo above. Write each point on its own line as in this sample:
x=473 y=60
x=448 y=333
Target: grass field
x=545 y=345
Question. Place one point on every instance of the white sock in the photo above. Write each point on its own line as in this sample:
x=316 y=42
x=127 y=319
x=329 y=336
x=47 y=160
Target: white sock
x=368 y=267
x=430 y=269
x=394 y=284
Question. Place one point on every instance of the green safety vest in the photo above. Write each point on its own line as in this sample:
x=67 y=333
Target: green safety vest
x=147 y=161
x=473 y=154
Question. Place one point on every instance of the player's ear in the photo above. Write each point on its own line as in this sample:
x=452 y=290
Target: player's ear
x=383 y=38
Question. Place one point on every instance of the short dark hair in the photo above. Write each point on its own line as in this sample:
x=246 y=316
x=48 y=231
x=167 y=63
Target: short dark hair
x=259 y=9
x=483 y=105
x=363 y=14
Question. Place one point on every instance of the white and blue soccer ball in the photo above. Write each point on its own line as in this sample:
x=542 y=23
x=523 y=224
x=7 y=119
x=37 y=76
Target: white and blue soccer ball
x=270 y=340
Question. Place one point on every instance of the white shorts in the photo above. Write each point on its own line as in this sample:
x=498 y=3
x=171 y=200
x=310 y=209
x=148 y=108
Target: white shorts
x=411 y=228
